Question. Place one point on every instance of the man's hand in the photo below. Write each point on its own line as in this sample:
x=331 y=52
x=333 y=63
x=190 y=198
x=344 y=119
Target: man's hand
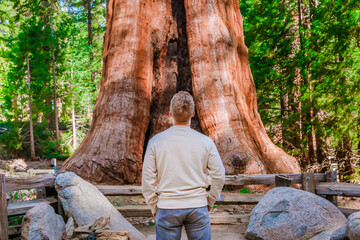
x=209 y=208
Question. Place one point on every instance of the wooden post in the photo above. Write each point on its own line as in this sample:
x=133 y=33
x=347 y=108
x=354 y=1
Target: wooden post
x=30 y=171
x=3 y=210
x=308 y=182
x=282 y=181
x=331 y=176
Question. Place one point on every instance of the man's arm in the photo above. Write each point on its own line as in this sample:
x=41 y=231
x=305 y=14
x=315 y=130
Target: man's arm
x=149 y=173
x=217 y=174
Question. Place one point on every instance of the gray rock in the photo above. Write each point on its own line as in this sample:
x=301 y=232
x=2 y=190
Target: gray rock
x=85 y=204
x=69 y=227
x=287 y=213
x=41 y=222
x=353 y=226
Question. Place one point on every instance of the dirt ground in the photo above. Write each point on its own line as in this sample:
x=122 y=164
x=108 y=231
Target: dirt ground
x=223 y=232
x=349 y=202
x=38 y=164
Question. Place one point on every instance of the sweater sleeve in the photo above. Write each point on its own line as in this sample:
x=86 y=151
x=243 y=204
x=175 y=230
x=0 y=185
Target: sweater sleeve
x=149 y=174
x=217 y=173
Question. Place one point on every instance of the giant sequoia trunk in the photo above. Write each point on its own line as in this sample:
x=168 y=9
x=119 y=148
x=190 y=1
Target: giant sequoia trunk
x=154 y=48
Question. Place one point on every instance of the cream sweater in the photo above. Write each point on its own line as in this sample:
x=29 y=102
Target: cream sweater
x=177 y=162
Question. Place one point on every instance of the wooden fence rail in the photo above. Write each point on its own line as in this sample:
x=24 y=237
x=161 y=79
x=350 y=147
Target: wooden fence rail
x=320 y=183
x=338 y=189
x=22 y=183
x=267 y=179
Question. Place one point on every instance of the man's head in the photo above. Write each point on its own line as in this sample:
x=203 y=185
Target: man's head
x=182 y=107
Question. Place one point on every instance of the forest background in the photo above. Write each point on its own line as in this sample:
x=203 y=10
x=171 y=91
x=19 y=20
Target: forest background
x=304 y=56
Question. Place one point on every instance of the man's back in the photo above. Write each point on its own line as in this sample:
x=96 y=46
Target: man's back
x=181 y=157
x=179 y=160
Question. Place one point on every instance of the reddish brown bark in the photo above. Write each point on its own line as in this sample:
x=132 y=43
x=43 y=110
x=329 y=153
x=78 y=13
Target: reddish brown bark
x=112 y=150
x=224 y=90
x=152 y=49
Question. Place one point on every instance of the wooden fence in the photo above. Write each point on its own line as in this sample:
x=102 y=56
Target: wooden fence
x=324 y=184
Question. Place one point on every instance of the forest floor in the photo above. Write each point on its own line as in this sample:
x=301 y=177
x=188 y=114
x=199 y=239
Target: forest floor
x=38 y=164
x=225 y=232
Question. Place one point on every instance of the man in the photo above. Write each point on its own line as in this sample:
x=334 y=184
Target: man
x=174 y=178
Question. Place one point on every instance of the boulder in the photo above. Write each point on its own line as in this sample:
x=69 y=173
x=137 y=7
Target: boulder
x=288 y=213
x=353 y=226
x=41 y=222
x=69 y=227
x=85 y=204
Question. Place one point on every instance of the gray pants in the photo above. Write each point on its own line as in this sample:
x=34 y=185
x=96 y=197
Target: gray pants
x=169 y=222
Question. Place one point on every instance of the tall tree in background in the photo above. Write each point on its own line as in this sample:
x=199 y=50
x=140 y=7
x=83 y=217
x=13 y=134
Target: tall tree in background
x=153 y=49
x=54 y=73
x=32 y=144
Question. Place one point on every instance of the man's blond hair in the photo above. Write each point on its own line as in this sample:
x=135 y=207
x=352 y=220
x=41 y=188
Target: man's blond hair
x=182 y=106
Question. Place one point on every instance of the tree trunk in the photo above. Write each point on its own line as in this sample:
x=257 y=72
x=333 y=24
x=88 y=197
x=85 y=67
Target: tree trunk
x=152 y=49
x=87 y=6
x=225 y=92
x=54 y=75
x=73 y=122
x=73 y=110
x=32 y=143
x=284 y=112
x=90 y=37
x=112 y=150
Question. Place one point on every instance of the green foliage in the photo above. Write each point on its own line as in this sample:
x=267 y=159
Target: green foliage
x=25 y=27
x=244 y=190
x=307 y=73
x=11 y=140
x=22 y=195
x=355 y=177
x=15 y=220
